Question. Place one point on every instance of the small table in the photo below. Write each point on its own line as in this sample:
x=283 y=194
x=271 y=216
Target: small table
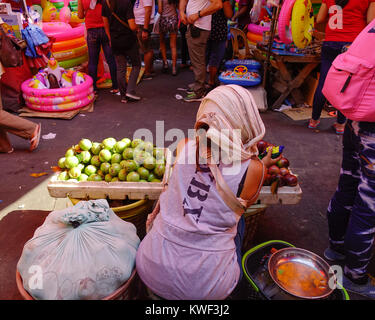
x=286 y=84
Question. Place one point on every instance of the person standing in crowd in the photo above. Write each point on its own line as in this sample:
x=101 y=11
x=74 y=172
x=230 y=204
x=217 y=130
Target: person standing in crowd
x=144 y=12
x=243 y=13
x=355 y=15
x=217 y=41
x=198 y=18
x=119 y=24
x=168 y=24
x=91 y=11
x=194 y=245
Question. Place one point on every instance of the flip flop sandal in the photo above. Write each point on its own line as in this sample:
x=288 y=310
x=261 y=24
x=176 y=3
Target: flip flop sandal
x=34 y=141
x=313 y=125
x=339 y=131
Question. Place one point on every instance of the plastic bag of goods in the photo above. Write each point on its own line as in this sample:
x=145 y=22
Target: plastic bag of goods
x=85 y=252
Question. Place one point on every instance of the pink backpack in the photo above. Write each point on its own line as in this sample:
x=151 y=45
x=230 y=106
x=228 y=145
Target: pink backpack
x=350 y=82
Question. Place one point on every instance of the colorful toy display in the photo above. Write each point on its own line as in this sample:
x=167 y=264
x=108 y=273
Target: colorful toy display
x=283 y=26
x=240 y=75
x=74 y=89
x=69 y=48
x=302 y=23
x=251 y=65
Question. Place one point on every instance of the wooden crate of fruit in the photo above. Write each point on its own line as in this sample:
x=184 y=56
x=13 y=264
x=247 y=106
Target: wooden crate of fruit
x=115 y=189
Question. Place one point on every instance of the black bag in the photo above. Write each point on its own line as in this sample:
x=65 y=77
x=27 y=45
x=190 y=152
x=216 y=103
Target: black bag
x=195 y=32
x=10 y=51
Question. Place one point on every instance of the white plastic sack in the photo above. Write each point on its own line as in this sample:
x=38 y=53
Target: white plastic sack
x=82 y=252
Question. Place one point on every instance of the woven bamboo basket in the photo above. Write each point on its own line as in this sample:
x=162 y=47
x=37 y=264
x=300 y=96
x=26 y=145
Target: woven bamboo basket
x=252 y=217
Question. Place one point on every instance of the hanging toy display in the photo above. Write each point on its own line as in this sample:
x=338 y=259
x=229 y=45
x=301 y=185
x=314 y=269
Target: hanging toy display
x=65 y=13
x=302 y=23
x=283 y=26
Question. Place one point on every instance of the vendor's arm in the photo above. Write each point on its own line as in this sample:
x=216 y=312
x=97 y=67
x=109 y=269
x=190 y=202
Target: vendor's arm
x=106 y=28
x=322 y=14
x=214 y=6
x=371 y=12
x=227 y=8
x=80 y=10
x=242 y=10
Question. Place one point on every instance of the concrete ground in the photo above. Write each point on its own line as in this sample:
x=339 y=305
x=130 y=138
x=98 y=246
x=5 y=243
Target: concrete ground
x=314 y=156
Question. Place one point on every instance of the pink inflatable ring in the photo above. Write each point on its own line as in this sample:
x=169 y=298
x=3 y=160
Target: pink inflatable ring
x=60 y=99
x=283 y=27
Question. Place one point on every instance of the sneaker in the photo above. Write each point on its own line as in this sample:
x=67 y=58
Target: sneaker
x=147 y=77
x=367 y=289
x=191 y=97
x=333 y=255
x=133 y=97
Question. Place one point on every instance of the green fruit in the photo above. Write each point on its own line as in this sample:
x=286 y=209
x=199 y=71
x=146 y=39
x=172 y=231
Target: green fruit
x=79 y=157
x=100 y=173
x=94 y=177
x=115 y=179
x=122 y=174
x=116 y=158
x=155 y=180
x=149 y=163
x=128 y=153
x=143 y=173
x=143 y=180
x=85 y=144
x=81 y=166
x=90 y=170
x=82 y=177
x=74 y=173
x=109 y=143
x=114 y=169
x=136 y=143
x=96 y=147
x=140 y=157
x=120 y=146
x=61 y=163
x=71 y=162
x=108 y=177
x=105 y=167
x=148 y=147
x=70 y=152
x=151 y=177
x=86 y=156
x=158 y=153
x=63 y=176
x=127 y=141
x=105 y=155
x=159 y=170
x=132 y=177
x=129 y=165
x=95 y=161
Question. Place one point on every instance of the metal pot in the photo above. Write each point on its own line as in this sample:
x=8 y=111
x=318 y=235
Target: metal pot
x=304 y=263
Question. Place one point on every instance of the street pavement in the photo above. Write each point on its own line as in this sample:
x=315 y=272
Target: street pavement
x=315 y=156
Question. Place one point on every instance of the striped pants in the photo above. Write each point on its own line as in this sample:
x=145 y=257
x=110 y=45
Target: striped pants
x=351 y=211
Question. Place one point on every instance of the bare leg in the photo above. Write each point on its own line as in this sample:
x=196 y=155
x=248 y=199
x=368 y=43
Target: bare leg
x=173 y=45
x=163 y=49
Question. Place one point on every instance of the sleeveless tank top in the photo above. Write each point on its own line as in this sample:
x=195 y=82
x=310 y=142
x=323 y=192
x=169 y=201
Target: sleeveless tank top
x=190 y=253
x=169 y=10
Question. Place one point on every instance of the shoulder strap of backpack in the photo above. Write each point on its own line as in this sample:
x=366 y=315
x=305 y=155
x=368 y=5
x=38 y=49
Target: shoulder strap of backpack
x=117 y=17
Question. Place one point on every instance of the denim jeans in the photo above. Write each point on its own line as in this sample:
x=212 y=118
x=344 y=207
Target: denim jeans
x=330 y=50
x=238 y=240
x=96 y=39
x=122 y=66
x=351 y=211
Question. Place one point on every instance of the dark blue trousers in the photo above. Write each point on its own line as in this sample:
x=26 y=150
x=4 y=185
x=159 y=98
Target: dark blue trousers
x=351 y=211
